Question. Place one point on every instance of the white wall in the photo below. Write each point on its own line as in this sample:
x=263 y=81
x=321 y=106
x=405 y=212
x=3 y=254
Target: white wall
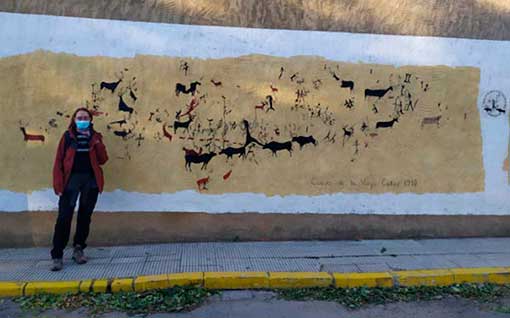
x=22 y=33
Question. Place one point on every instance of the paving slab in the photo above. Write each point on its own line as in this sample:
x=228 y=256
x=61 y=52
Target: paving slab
x=339 y=268
x=161 y=267
x=307 y=256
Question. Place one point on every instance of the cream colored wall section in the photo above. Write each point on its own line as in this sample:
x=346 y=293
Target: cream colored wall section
x=444 y=154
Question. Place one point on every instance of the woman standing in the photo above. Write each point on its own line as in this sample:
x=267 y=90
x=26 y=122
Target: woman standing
x=77 y=171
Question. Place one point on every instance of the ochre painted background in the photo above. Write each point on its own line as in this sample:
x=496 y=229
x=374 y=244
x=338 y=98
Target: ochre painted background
x=444 y=157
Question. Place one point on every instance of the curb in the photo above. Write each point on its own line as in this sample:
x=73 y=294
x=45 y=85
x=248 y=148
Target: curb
x=264 y=280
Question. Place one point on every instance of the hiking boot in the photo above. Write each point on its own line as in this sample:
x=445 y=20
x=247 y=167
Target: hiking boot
x=58 y=264
x=78 y=256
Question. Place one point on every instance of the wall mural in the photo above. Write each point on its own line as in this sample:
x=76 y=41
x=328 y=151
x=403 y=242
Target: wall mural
x=263 y=124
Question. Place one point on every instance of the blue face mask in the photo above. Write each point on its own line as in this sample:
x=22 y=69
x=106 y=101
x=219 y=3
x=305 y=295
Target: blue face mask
x=82 y=124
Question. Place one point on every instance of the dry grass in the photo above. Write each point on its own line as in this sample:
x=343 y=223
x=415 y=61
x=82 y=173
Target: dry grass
x=482 y=19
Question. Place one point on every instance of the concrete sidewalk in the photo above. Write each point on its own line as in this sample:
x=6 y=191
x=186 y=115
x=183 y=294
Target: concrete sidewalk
x=32 y=264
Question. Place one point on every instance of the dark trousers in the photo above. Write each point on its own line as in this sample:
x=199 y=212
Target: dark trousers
x=85 y=186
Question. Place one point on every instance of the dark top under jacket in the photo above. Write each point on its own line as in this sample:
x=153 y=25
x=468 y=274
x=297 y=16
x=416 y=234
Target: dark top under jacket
x=81 y=162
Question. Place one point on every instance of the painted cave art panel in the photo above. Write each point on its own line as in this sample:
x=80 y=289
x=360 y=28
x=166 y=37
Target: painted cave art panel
x=263 y=124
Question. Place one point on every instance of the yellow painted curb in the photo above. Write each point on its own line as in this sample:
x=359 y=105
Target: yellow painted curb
x=299 y=279
x=475 y=275
x=100 y=286
x=122 y=284
x=260 y=280
x=500 y=278
x=11 y=289
x=51 y=287
x=350 y=280
x=186 y=279
x=433 y=277
x=85 y=286
x=143 y=283
x=236 y=280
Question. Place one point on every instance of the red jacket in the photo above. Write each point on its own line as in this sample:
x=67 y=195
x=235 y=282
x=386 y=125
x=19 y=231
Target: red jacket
x=64 y=161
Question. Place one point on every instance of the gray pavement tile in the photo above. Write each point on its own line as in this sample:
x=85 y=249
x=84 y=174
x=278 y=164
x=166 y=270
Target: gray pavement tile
x=161 y=258
x=98 y=252
x=95 y=261
x=339 y=268
x=128 y=252
x=161 y=267
x=201 y=268
x=265 y=253
x=484 y=245
x=404 y=262
x=398 y=247
x=454 y=246
x=198 y=259
x=5 y=254
x=128 y=260
x=197 y=250
x=19 y=265
x=252 y=249
x=355 y=260
x=495 y=259
x=234 y=251
x=285 y=265
x=291 y=249
x=351 y=248
x=174 y=250
x=74 y=272
x=29 y=254
x=123 y=270
x=13 y=276
x=236 y=265
x=91 y=261
x=342 y=251
x=42 y=269
x=137 y=250
x=493 y=245
x=380 y=267
x=467 y=260
x=434 y=261
x=44 y=263
x=87 y=271
x=42 y=272
x=336 y=256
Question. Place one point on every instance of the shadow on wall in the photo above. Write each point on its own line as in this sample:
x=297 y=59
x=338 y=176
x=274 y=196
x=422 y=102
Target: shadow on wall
x=480 y=19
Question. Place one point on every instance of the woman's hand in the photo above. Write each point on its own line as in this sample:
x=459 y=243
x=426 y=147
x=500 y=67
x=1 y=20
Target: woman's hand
x=102 y=156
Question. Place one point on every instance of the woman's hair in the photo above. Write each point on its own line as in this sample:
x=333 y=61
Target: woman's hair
x=73 y=124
